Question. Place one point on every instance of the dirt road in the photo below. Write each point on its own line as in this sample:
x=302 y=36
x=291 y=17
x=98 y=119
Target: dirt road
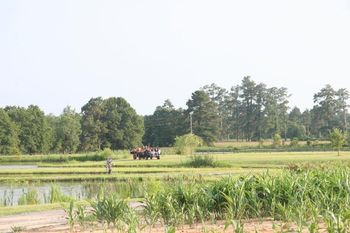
x=55 y=221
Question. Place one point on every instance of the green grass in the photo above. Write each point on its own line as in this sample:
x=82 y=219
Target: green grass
x=11 y=210
x=168 y=166
x=307 y=197
x=302 y=187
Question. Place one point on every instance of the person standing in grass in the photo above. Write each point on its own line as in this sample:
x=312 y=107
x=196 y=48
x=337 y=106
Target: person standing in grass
x=109 y=164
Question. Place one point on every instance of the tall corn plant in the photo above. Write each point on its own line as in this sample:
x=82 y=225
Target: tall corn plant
x=115 y=212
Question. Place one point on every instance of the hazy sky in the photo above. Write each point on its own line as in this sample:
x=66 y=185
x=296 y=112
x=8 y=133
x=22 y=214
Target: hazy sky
x=58 y=53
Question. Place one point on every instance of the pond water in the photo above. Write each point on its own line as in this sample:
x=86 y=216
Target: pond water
x=10 y=194
x=18 y=166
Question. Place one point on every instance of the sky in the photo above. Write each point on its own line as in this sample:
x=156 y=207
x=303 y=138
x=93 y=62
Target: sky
x=55 y=53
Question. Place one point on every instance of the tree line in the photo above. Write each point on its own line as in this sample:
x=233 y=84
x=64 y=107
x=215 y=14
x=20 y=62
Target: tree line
x=102 y=123
x=248 y=111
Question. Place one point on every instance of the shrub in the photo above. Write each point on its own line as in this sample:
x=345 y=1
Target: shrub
x=56 y=195
x=113 y=211
x=197 y=161
x=186 y=144
x=29 y=198
x=338 y=139
x=106 y=153
x=294 y=142
x=277 y=140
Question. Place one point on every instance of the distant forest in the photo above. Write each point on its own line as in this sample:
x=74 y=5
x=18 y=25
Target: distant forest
x=250 y=111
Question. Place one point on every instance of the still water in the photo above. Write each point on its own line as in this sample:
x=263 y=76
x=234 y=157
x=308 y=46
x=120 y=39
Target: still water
x=11 y=193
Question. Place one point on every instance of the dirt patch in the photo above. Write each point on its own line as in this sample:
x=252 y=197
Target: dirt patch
x=55 y=221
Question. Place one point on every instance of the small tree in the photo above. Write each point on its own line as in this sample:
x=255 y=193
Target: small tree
x=294 y=142
x=338 y=139
x=186 y=144
x=277 y=140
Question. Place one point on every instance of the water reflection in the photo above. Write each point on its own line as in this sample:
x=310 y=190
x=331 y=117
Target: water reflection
x=11 y=193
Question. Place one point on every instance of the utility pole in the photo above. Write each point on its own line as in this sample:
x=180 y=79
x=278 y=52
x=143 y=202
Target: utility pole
x=191 y=113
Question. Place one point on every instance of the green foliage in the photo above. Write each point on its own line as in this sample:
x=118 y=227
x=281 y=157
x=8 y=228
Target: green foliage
x=205 y=116
x=71 y=218
x=338 y=139
x=186 y=144
x=304 y=197
x=16 y=229
x=8 y=135
x=201 y=161
x=106 y=153
x=56 y=195
x=29 y=198
x=164 y=125
x=67 y=131
x=34 y=132
x=294 y=142
x=197 y=161
x=110 y=210
x=277 y=140
x=110 y=123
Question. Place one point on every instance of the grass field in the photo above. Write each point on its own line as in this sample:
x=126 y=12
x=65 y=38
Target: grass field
x=166 y=170
x=252 y=144
x=168 y=166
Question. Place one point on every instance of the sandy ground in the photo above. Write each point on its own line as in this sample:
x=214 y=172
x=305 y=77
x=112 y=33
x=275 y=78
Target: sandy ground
x=55 y=221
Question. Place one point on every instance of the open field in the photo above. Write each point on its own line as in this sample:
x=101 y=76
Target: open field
x=138 y=179
x=168 y=166
x=246 y=144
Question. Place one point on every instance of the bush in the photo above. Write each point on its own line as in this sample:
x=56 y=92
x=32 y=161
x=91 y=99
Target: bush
x=277 y=140
x=112 y=210
x=29 y=198
x=56 y=195
x=294 y=142
x=201 y=161
x=186 y=144
x=197 y=161
x=106 y=153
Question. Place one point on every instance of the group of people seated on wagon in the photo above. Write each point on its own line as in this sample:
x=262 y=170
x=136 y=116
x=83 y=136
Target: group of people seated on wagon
x=146 y=152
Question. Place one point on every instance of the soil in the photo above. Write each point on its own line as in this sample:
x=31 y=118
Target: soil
x=55 y=221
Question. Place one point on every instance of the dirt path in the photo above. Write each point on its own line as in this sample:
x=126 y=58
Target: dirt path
x=55 y=221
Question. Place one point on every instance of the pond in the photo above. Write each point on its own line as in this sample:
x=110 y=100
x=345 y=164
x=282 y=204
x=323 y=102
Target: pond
x=13 y=194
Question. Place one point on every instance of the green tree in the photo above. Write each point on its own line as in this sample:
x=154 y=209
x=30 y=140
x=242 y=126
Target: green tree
x=277 y=140
x=205 y=116
x=110 y=123
x=8 y=135
x=186 y=144
x=338 y=139
x=342 y=98
x=130 y=127
x=234 y=113
x=325 y=109
x=92 y=126
x=68 y=130
x=218 y=95
x=276 y=110
x=296 y=128
x=248 y=96
x=306 y=121
x=164 y=125
x=34 y=131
